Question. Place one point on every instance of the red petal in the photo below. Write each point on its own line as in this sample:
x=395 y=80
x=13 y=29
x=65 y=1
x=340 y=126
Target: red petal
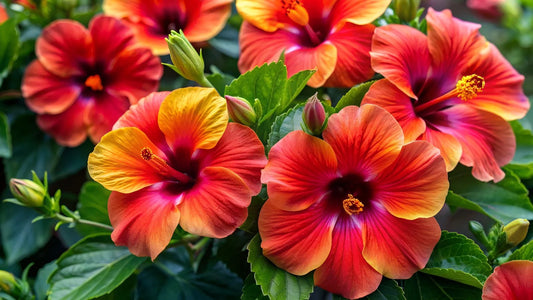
x=64 y=48
x=365 y=140
x=450 y=148
x=46 y=93
x=104 y=111
x=259 y=47
x=511 y=280
x=216 y=205
x=345 y=271
x=207 y=19
x=298 y=171
x=397 y=248
x=322 y=58
x=68 y=128
x=110 y=37
x=359 y=12
x=298 y=241
x=144 y=221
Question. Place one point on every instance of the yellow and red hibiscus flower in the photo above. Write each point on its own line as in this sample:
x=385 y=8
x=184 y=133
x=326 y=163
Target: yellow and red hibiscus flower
x=174 y=159
x=331 y=36
x=152 y=21
x=355 y=206
x=451 y=88
x=3 y=14
x=83 y=80
x=510 y=281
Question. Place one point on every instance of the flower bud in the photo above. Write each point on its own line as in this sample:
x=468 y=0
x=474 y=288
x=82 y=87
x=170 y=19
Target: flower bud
x=7 y=281
x=516 y=231
x=240 y=110
x=314 y=115
x=406 y=9
x=187 y=62
x=29 y=193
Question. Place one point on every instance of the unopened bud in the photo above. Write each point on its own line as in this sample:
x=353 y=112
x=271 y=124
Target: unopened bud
x=240 y=110
x=7 y=281
x=406 y=9
x=29 y=193
x=187 y=62
x=516 y=231
x=314 y=115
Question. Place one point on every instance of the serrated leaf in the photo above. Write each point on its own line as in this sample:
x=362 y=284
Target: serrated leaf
x=5 y=137
x=503 y=201
x=388 y=289
x=251 y=291
x=21 y=237
x=91 y=268
x=285 y=123
x=354 y=96
x=523 y=253
x=275 y=282
x=422 y=287
x=92 y=205
x=219 y=80
x=9 y=45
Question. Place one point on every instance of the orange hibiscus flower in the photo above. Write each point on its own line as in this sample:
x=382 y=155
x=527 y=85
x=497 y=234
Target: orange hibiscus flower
x=510 y=281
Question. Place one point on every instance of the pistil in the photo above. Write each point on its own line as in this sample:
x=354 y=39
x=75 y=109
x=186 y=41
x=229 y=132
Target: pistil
x=162 y=166
x=94 y=82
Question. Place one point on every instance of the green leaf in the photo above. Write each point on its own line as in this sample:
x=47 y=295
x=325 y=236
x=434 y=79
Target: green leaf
x=9 y=45
x=41 y=285
x=275 y=282
x=124 y=291
x=354 y=96
x=422 y=287
x=92 y=205
x=458 y=258
x=72 y=160
x=172 y=277
x=503 y=201
x=219 y=80
x=21 y=237
x=252 y=291
x=523 y=253
x=91 y=268
x=5 y=137
x=285 y=123
x=295 y=85
x=522 y=163
x=388 y=290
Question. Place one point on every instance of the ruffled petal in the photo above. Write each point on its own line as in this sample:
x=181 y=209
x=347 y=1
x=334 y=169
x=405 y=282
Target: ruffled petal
x=117 y=164
x=298 y=171
x=401 y=54
x=358 y=12
x=68 y=128
x=353 y=60
x=110 y=37
x=397 y=248
x=207 y=20
x=64 y=48
x=385 y=94
x=450 y=148
x=511 y=280
x=416 y=184
x=266 y=15
x=193 y=118
x=365 y=140
x=297 y=241
x=46 y=93
x=345 y=271
x=143 y=221
x=134 y=74
x=131 y=9
x=216 y=205
x=487 y=140
x=104 y=111
x=322 y=58
x=240 y=151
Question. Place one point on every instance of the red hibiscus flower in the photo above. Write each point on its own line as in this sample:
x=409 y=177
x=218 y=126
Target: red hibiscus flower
x=510 y=281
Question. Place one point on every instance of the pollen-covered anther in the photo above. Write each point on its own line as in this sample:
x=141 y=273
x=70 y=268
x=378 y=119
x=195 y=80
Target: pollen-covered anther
x=146 y=153
x=352 y=205
x=94 y=82
x=295 y=11
x=469 y=86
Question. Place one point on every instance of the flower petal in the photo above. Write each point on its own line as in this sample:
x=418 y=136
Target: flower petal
x=216 y=205
x=323 y=58
x=240 y=151
x=401 y=54
x=385 y=94
x=397 y=248
x=416 y=184
x=345 y=271
x=193 y=118
x=298 y=171
x=110 y=37
x=511 y=280
x=124 y=9
x=365 y=140
x=450 y=148
x=46 y=93
x=207 y=20
x=68 y=128
x=358 y=12
x=144 y=220
x=266 y=15
x=64 y=48
x=104 y=111
x=353 y=59
x=298 y=241
x=117 y=164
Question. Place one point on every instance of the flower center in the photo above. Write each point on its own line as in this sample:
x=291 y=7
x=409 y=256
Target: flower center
x=162 y=166
x=295 y=11
x=94 y=82
x=352 y=205
x=466 y=89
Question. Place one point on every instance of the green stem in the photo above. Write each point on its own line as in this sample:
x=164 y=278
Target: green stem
x=204 y=82
x=200 y=244
x=65 y=219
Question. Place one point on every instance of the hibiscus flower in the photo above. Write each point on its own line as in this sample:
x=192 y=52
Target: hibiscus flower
x=510 y=281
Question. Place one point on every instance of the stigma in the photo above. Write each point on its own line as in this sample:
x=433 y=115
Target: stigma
x=352 y=205
x=94 y=82
x=295 y=11
x=162 y=167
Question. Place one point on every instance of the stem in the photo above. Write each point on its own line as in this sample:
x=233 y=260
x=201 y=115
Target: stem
x=65 y=219
x=200 y=244
x=204 y=82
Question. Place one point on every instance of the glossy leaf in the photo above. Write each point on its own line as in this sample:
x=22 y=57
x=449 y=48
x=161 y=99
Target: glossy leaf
x=5 y=137
x=523 y=253
x=252 y=291
x=522 y=163
x=285 y=123
x=9 y=45
x=423 y=286
x=354 y=96
x=41 y=285
x=92 y=205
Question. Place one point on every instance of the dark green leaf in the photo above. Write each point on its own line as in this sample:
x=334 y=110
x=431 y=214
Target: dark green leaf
x=354 y=96
x=388 y=290
x=503 y=201
x=219 y=80
x=523 y=253
x=21 y=237
x=9 y=44
x=252 y=291
x=72 y=160
x=41 y=285
x=522 y=163
x=422 y=287
x=5 y=137
x=92 y=206
x=285 y=123
x=124 y=291
x=275 y=282
x=91 y=268
x=231 y=251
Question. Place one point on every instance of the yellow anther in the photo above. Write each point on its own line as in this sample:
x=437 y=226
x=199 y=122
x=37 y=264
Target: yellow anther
x=94 y=82
x=469 y=86
x=295 y=11
x=352 y=205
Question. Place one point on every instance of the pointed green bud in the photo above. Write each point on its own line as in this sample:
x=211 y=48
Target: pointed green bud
x=187 y=62
x=314 y=115
x=240 y=110
x=516 y=231
x=479 y=232
x=7 y=281
x=28 y=192
x=406 y=9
